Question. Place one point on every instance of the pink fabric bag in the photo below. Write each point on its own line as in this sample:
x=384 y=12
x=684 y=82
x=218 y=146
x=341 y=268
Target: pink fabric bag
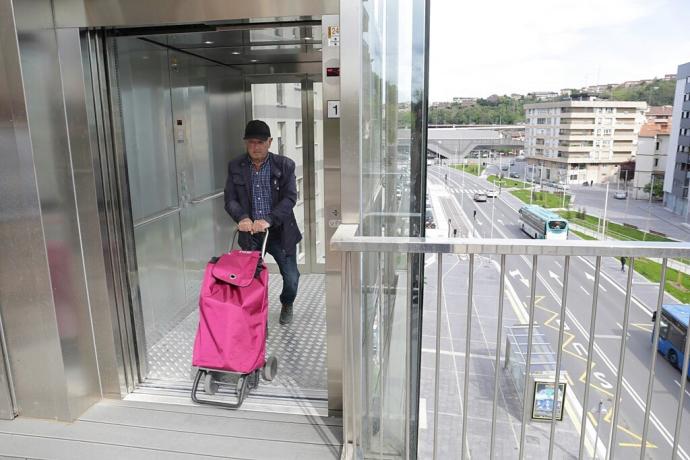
x=233 y=313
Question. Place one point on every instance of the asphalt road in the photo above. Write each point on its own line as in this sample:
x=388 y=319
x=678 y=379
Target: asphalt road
x=607 y=335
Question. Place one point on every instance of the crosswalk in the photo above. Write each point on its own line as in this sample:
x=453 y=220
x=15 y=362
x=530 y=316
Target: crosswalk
x=468 y=190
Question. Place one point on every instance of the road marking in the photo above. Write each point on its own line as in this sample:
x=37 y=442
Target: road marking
x=609 y=336
x=678 y=383
x=517 y=273
x=555 y=277
x=584 y=290
x=458 y=353
x=589 y=277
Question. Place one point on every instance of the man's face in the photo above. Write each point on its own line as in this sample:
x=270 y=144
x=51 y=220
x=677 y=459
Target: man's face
x=258 y=148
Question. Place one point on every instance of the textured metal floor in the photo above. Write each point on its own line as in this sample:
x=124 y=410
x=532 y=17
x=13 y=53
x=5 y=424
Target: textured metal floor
x=300 y=346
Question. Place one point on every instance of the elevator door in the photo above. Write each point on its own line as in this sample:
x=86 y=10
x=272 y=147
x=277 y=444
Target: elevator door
x=292 y=107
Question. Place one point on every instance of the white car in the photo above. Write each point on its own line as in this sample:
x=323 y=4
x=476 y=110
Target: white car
x=620 y=195
x=491 y=193
x=479 y=196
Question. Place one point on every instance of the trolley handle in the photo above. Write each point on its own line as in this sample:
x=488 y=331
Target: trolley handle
x=263 y=245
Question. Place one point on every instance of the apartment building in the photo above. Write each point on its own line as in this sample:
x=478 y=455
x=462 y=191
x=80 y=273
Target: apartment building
x=676 y=180
x=577 y=141
x=650 y=162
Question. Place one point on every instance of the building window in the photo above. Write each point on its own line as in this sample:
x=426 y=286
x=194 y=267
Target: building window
x=657 y=146
x=656 y=161
x=281 y=138
x=280 y=94
x=298 y=133
x=573 y=177
x=299 y=189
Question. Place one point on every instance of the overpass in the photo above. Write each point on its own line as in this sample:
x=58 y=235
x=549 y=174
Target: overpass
x=457 y=142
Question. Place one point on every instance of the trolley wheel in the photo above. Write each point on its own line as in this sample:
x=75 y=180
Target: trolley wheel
x=672 y=357
x=210 y=385
x=270 y=368
x=240 y=384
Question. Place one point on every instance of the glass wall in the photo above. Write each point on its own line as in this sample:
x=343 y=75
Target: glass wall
x=393 y=128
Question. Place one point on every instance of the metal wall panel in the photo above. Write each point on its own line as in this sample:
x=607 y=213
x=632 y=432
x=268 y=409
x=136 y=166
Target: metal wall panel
x=73 y=78
x=130 y=13
x=58 y=324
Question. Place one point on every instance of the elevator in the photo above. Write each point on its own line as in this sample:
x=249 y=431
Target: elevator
x=175 y=102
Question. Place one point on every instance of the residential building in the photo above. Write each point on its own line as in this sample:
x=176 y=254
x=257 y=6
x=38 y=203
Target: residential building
x=577 y=141
x=660 y=115
x=543 y=95
x=650 y=162
x=676 y=180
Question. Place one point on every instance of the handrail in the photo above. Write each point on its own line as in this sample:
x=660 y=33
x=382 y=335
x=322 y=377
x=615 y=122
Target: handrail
x=345 y=239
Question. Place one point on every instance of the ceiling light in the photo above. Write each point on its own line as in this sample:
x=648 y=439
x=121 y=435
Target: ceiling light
x=253 y=60
x=235 y=52
x=208 y=42
x=307 y=38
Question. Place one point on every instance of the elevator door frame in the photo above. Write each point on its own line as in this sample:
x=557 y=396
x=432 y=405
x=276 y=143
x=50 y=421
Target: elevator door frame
x=310 y=264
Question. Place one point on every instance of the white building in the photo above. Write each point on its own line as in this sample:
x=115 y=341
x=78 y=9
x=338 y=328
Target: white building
x=676 y=180
x=577 y=141
x=650 y=162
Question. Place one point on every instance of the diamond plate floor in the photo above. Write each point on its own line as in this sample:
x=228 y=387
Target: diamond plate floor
x=300 y=346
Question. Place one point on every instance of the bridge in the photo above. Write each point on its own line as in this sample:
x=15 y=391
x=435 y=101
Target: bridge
x=456 y=143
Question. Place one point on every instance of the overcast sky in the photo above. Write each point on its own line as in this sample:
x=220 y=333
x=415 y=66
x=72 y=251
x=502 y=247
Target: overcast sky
x=482 y=47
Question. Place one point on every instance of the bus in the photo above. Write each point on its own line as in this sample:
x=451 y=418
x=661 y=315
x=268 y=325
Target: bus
x=540 y=223
x=673 y=329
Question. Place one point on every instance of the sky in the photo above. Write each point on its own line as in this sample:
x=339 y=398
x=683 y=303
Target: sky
x=484 y=47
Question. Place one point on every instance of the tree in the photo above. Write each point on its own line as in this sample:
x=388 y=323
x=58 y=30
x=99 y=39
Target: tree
x=658 y=188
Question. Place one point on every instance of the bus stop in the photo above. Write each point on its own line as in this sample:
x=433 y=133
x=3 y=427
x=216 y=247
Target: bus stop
x=542 y=371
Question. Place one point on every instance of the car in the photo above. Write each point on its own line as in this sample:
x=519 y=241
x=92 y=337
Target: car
x=480 y=196
x=514 y=175
x=491 y=193
x=620 y=195
x=504 y=168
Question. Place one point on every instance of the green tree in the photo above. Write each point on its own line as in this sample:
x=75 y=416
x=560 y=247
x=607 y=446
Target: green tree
x=658 y=188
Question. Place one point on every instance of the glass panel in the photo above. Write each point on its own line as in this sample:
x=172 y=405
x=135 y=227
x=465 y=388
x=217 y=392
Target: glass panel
x=318 y=174
x=146 y=107
x=393 y=130
x=285 y=120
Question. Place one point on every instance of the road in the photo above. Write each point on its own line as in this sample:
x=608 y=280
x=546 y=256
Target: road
x=608 y=325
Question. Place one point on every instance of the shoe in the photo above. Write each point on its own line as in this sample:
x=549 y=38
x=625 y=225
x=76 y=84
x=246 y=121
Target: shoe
x=286 y=314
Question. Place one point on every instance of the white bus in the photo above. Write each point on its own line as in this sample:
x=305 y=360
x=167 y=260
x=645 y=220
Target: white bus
x=540 y=223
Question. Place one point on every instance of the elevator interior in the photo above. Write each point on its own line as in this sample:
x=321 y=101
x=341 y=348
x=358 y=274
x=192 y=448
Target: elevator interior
x=180 y=101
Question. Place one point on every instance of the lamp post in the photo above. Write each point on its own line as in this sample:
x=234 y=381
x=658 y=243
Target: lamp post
x=649 y=209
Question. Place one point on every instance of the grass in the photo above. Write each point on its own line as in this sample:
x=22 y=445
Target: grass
x=543 y=199
x=614 y=230
x=506 y=182
x=472 y=169
x=677 y=284
x=582 y=235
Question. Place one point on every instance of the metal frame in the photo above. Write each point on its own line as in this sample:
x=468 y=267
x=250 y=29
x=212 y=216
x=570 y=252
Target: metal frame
x=306 y=80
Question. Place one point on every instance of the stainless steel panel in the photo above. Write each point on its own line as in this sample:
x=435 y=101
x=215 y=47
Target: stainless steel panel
x=74 y=81
x=161 y=276
x=48 y=315
x=144 y=90
x=129 y=13
x=332 y=215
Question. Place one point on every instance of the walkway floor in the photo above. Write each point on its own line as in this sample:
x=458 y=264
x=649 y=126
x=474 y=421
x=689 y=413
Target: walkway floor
x=138 y=430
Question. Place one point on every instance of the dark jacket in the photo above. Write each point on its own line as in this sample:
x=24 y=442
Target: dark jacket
x=238 y=199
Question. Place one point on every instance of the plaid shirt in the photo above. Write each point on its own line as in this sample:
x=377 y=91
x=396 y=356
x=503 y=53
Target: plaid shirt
x=261 y=191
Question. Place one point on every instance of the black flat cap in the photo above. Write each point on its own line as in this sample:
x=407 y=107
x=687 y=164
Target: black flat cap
x=257 y=129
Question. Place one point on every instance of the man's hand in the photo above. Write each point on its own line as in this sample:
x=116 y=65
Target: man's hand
x=245 y=225
x=260 y=226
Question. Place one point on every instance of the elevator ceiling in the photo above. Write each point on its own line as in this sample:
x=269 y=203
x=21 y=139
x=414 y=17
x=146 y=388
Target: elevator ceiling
x=249 y=46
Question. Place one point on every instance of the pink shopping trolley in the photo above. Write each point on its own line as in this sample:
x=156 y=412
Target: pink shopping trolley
x=233 y=326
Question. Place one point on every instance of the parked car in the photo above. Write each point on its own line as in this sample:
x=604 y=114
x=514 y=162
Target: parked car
x=491 y=193
x=620 y=195
x=480 y=196
x=505 y=168
x=514 y=175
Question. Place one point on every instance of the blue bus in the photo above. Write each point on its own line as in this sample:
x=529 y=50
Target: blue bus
x=673 y=329
x=540 y=223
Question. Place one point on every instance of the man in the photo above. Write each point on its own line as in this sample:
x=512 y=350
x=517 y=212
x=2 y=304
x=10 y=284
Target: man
x=260 y=192
x=623 y=263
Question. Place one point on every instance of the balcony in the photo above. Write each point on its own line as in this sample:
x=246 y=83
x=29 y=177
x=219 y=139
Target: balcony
x=541 y=312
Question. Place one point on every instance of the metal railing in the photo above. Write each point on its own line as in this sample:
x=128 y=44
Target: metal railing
x=347 y=241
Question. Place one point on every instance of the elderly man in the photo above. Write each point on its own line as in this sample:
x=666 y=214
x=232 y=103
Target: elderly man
x=260 y=192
